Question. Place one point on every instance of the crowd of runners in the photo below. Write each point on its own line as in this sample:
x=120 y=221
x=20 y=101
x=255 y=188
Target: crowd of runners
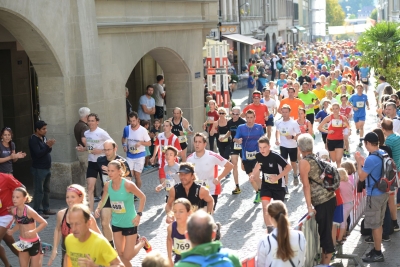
x=321 y=89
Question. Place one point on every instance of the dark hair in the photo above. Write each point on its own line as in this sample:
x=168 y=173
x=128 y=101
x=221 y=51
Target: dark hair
x=24 y=193
x=40 y=124
x=387 y=125
x=133 y=114
x=394 y=95
x=381 y=136
x=144 y=123
x=200 y=227
x=149 y=86
x=11 y=132
x=201 y=135
x=388 y=90
x=185 y=202
x=172 y=148
x=291 y=88
x=263 y=140
x=159 y=78
x=277 y=210
x=95 y=116
x=156 y=120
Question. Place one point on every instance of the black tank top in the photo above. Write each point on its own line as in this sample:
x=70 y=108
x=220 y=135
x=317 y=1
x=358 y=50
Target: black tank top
x=193 y=196
x=176 y=128
x=223 y=129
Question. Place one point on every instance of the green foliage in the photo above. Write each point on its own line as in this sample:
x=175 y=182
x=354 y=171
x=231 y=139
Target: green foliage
x=380 y=46
x=334 y=13
x=352 y=16
x=374 y=14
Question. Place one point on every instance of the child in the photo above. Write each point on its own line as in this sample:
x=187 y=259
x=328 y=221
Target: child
x=170 y=169
x=176 y=240
x=146 y=124
x=153 y=133
x=347 y=190
x=29 y=245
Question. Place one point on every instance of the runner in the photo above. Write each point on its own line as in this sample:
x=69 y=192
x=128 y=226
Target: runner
x=95 y=138
x=125 y=219
x=287 y=131
x=164 y=139
x=220 y=128
x=176 y=240
x=310 y=100
x=293 y=103
x=236 y=149
x=337 y=124
x=171 y=169
x=272 y=110
x=320 y=93
x=347 y=111
x=358 y=102
x=181 y=128
x=134 y=139
x=29 y=245
x=76 y=194
x=274 y=167
x=247 y=136
x=212 y=116
x=321 y=116
x=261 y=111
x=206 y=165
x=364 y=76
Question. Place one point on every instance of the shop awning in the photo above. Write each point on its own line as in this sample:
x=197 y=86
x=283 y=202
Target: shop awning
x=244 y=39
x=302 y=29
x=293 y=30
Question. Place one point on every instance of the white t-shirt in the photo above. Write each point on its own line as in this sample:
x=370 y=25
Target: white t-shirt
x=285 y=93
x=268 y=246
x=273 y=92
x=333 y=100
x=95 y=140
x=134 y=136
x=396 y=125
x=206 y=168
x=380 y=88
x=158 y=90
x=287 y=128
x=271 y=104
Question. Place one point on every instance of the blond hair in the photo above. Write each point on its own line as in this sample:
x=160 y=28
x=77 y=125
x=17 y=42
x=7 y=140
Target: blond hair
x=343 y=174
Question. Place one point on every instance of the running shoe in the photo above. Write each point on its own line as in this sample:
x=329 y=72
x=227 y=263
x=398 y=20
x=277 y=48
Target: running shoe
x=295 y=180
x=258 y=198
x=348 y=154
x=228 y=175
x=236 y=191
x=345 y=154
x=360 y=144
x=373 y=257
x=286 y=190
x=386 y=238
x=396 y=227
x=370 y=239
x=218 y=234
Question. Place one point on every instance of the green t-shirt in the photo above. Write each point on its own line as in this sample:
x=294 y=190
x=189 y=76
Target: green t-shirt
x=338 y=98
x=332 y=88
x=308 y=99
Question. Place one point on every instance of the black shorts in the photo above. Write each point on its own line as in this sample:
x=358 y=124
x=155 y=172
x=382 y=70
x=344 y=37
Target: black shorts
x=275 y=194
x=125 y=231
x=310 y=117
x=93 y=170
x=291 y=152
x=204 y=203
x=249 y=165
x=235 y=151
x=270 y=121
x=159 y=113
x=108 y=203
x=333 y=144
x=324 y=138
x=35 y=249
x=324 y=219
x=367 y=82
x=184 y=145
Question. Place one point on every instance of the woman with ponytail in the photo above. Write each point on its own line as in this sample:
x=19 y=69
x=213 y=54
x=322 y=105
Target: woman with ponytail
x=283 y=247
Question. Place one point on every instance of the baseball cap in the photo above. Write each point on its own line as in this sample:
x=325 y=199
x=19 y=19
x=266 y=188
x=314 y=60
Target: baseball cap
x=185 y=169
x=371 y=137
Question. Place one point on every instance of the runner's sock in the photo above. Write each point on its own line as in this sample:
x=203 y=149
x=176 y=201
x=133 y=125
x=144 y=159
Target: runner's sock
x=378 y=252
x=237 y=185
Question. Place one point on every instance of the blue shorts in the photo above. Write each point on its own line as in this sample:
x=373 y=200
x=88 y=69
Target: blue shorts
x=338 y=214
x=358 y=118
x=270 y=121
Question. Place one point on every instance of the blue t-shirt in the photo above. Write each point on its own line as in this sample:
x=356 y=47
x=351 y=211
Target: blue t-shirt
x=250 y=138
x=263 y=81
x=364 y=72
x=373 y=166
x=149 y=103
x=393 y=141
x=250 y=82
x=280 y=83
x=359 y=101
x=321 y=114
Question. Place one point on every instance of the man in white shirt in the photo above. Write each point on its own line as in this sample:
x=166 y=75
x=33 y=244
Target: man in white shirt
x=95 y=138
x=272 y=110
x=379 y=89
x=390 y=112
x=159 y=95
x=147 y=104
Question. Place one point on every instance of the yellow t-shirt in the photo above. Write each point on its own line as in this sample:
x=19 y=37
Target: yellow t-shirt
x=349 y=89
x=320 y=94
x=97 y=247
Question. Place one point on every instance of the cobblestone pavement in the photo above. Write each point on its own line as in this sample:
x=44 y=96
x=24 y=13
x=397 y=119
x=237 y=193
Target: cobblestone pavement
x=242 y=221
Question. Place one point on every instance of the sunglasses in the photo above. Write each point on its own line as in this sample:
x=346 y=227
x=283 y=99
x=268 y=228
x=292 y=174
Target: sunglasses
x=236 y=114
x=221 y=113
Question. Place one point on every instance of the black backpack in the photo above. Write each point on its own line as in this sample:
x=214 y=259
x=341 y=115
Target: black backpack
x=330 y=179
x=388 y=178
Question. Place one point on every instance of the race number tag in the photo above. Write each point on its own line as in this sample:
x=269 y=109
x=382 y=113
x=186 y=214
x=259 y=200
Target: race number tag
x=364 y=79
x=225 y=140
x=203 y=183
x=118 y=206
x=106 y=178
x=360 y=104
x=284 y=131
x=210 y=119
x=22 y=245
x=337 y=123
x=181 y=245
x=182 y=139
x=237 y=146
x=90 y=149
x=267 y=180
x=169 y=182
x=251 y=155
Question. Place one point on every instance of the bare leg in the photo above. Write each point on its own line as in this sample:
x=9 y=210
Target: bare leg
x=265 y=203
x=183 y=155
x=339 y=155
x=392 y=207
x=3 y=255
x=138 y=180
x=106 y=214
x=91 y=182
x=377 y=235
x=234 y=160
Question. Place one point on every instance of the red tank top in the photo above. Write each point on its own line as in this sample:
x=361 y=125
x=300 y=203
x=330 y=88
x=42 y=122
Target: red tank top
x=345 y=111
x=337 y=126
x=304 y=127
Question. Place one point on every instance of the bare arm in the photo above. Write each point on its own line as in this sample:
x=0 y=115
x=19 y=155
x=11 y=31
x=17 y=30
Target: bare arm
x=304 y=168
x=168 y=205
x=39 y=219
x=322 y=123
x=103 y=200
x=115 y=263
x=227 y=168
x=93 y=225
x=205 y=195
x=57 y=236
x=169 y=245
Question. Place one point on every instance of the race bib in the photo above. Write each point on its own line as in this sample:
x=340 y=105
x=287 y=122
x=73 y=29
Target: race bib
x=169 y=182
x=210 y=119
x=118 y=207
x=225 y=140
x=284 y=131
x=182 y=139
x=204 y=183
x=106 y=178
x=251 y=155
x=337 y=123
x=133 y=150
x=237 y=146
x=360 y=104
x=163 y=148
x=90 y=149
x=181 y=245
x=267 y=180
x=364 y=79
x=22 y=245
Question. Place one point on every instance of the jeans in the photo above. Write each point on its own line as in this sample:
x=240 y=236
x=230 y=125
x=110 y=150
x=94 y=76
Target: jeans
x=41 y=179
x=250 y=99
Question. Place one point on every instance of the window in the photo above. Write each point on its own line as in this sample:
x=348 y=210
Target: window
x=295 y=11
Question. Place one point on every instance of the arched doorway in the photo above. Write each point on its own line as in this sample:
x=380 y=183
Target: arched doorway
x=267 y=43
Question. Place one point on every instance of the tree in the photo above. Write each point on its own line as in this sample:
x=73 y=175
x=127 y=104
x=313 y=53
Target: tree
x=374 y=14
x=380 y=46
x=334 y=13
x=352 y=16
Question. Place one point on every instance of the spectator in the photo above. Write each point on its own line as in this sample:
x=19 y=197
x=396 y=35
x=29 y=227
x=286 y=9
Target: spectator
x=40 y=148
x=369 y=170
x=155 y=259
x=159 y=95
x=201 y=231
x=318 y=199
x=147 y=104
x=250 y=86
x=79 y=132
x=283 y=246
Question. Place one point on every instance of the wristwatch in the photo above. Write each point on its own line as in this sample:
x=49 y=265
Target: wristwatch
x=139 y=213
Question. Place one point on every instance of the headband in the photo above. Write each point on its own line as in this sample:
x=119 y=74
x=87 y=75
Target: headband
x=73 y=189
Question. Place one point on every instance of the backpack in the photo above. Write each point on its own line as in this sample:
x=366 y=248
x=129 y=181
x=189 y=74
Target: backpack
x=219 y=259
x=388 y=180
x=330 y=179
